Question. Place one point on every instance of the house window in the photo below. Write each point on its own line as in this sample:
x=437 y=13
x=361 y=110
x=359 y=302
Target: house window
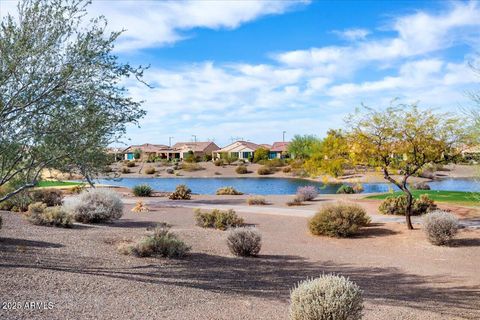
x=272 y=155
x=234 y=155
x=246 y=155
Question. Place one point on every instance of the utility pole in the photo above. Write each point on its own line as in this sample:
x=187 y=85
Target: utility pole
x=194 y=138
x=284 y=135
x=170 y=141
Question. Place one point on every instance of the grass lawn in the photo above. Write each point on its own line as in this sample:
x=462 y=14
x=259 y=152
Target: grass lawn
x=55 y=183
x=470 y=198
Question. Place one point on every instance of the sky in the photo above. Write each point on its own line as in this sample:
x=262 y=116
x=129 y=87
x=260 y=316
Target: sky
x=228 y=70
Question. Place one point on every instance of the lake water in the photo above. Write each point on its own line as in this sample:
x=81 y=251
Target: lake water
x=277 y=186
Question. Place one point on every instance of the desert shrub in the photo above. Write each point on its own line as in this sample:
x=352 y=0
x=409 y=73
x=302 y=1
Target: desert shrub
x=287 y=169
x=244 y=241
x=131 y=164
x=140 y=207
x=217 y=219
x=345 y=189
x=107 y=169
x=77 y=189
x=218 y=162
x=162 y=243
x=256 y=201
x=307 y=193
x=142 y=190
x=241 y=169
x=398 y=205
x=182 y=192
x=228 y=191
x=358 y=188
x=338 y=220
x=264 y=170
x=51 y=197
x=440 y=227
x=96 y=205
x=56 y=216
x=297 y=201
x=189 y=167
x=217 y=173
x=150 y=170
x=126 y=170
x=421 y=186
x=327 y=297
x=275 y=162
x=17 y=203
x=170 y=171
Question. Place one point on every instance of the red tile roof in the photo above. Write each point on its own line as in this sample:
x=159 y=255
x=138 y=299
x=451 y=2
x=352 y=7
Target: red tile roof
x=279 y=146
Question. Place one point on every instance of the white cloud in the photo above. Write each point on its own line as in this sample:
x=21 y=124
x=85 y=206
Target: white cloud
x=352 y=34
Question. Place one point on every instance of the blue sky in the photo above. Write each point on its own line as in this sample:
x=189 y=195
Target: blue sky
x=251 y=69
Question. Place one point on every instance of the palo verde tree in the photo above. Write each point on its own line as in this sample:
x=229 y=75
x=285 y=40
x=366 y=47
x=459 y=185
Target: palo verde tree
x=405 y=138
x=302 y=147
x=61 y=101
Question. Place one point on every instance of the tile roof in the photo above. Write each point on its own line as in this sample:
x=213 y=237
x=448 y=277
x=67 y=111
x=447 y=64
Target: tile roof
x=194 y=146
x=280 y=146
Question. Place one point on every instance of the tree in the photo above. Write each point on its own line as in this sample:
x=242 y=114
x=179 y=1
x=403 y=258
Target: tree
x=302 y=147
x=330 y=156
x=260 y=154
x=405 y=138
x=61 y=103
x=137 y=153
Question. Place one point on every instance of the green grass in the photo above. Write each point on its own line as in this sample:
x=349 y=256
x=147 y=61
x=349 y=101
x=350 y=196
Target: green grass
x=54 y=183
x=440 y=196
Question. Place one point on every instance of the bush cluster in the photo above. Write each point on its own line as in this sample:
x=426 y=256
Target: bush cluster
x=421 y=186
x=338 y=220
x=18 y=202
x=131 y=164
x=189 y=167
x=182 y=192
x=327 y=297
x=244 y=241
x=265 y=170
x=150 y=170
x=228 y=191
x=256 y=201
x=345 y=189
x=142 y=190
x=39 y=214
x=162 y=243
x=398 y=205
x=241 y=169
x=96 y=205
x=218 y=219
x=440 y=227
x=218 y=162
x=51 y=197
x=307 y=193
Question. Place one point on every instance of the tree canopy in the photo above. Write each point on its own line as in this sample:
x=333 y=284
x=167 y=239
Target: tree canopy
x=302 y=147
x=62 y=101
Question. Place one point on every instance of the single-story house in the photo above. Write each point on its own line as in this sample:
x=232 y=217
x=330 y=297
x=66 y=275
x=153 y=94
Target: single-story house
x=146 y=150
x=239 y=149
x=472 y=153
x=279 y=150
x=180 y=150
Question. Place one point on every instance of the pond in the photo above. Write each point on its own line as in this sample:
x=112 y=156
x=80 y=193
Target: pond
x=272 y=186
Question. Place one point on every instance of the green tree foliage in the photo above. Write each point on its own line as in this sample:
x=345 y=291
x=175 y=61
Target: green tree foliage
x=61 y=104
x=302 y=147
x=137 y=153
x=260 y=154
x=406 y=138
x=330 y=155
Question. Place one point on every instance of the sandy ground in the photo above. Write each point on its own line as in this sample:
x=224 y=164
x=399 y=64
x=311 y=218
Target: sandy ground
x=80 y=272
x=228 y=171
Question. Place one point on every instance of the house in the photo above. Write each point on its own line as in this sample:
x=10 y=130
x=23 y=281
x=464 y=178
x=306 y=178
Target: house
x=239 y=149
x=181 y=150
x=279 y=150
x=472 y=153
x=146 y=150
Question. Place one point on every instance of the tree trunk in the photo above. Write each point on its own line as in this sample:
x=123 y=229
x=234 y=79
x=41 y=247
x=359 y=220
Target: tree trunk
x=408 y=210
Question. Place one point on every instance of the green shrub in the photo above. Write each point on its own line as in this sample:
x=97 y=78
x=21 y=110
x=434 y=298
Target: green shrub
x=131 y=164
x=126 y=170
x=162 y=243
x=256 y=201
x=51 y=197
x=18 y=202
x=345 y=189
x=329 y=297
x=338 y=220
x=218 y=162
x=260 y=154
x=182 y=192
x=217 y=219
x=275 y=163
x=244 y=242
x=265 y=170
x=39 y=214
x=398 y=205
x=228 y=191
x=241 y=169
x=190 y=167
x=358 y=188
x=95 y=205
x=440 y=227
x=142 y=190
x=150 y=170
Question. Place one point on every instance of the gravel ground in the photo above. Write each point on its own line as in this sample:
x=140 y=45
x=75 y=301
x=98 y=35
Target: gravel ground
x=79 y=271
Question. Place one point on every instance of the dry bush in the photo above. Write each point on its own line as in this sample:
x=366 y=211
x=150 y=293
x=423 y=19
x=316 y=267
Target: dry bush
x=256 y=201
x=265 y=170
x=131 y=164
x=217 y=219
x=189 y=167
x=182 y=192
x=297 y=201
x=307 y=193
x=150 y=170
x=440 y=227
x=126 y=170
x=39 y=214
x=338 y=220
x=140 y=207
x=228 y=191
x=244 y=241
x=421 y=186
x=241 y=169
x=51 y=197
x=95 y=205
x=328 y=297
